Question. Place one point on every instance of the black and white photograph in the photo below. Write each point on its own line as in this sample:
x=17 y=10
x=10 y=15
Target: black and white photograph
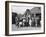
x=26 y=18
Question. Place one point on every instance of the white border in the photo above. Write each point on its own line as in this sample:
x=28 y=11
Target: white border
x=29 y=31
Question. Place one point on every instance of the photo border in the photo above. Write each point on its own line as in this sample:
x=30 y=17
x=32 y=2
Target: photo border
x=7 y=17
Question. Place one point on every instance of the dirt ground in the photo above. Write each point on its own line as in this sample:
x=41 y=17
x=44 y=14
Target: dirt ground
x=15 y=28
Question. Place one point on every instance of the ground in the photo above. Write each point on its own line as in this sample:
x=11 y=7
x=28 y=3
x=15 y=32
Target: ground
x=15 y=28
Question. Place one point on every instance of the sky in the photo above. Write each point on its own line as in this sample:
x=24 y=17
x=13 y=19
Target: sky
x=20 y=9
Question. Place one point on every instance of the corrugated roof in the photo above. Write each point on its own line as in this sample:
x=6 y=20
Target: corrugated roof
x=36 y=10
